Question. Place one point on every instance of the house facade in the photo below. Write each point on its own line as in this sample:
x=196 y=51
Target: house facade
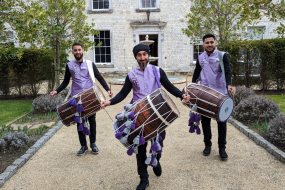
x=124 y=23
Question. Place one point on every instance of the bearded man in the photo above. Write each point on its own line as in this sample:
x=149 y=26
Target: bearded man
x=143 y=81
x=81 y=80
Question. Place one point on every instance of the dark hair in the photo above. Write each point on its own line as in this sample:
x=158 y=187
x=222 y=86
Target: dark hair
x=208 y=36
x=77 y=44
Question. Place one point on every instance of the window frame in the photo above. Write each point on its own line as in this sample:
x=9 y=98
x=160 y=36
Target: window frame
x=157 y=6
x=105 y=64
x=193 y=46
x=91 y=8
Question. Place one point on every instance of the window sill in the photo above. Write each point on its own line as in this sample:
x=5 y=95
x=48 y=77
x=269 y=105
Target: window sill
x=99 y=11
x=150 y=10
x=104 y=65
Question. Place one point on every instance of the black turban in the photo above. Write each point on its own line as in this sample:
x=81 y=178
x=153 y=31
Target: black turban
x=140 y=47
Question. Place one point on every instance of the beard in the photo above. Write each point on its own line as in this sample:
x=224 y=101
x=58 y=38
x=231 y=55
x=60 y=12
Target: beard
x=78 y=57
x=209 y=52
x=144 y=63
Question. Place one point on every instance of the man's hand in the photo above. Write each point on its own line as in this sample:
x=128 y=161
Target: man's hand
x=53 y=93
x=232 y=89
x=105 y=104
x=186 y=98
x=110 y=94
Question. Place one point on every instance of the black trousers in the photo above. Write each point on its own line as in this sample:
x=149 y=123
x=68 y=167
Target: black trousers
x=141 y=157
x=222 y=132
x=92 y=136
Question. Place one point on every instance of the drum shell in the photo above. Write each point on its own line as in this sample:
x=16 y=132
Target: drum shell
x=210 y=96
x=91 y=101
x=151 y=116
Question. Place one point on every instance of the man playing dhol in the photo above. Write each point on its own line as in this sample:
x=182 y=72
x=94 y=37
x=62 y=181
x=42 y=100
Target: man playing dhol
x=142 y=81
x=208 y=65
x=81 y=80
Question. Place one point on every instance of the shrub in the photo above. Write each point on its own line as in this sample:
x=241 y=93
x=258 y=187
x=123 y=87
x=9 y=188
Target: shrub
x=256 y=109
x=242 y=93
x=276 y=130
x=15 y=140
x=45 y=103
x=64 y=92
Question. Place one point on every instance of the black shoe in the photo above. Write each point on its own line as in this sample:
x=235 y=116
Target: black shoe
x=143 y=185
x=94 y=148
x=207 y=151
x=157 y=170
x=223 y=154
x=82 y=150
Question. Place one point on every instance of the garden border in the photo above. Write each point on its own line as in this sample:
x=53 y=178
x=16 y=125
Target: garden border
x=8 y=124
x=18 y=163
x=259 y=140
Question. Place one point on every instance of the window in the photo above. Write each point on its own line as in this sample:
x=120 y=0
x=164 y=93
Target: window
x=255 y=32
x=101 y=5
x=148 y=4
x=103 y=53
x=197 y=50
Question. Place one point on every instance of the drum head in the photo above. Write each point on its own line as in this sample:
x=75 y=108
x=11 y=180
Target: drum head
x=170 y=103
x=226 y=109
x=99 y=94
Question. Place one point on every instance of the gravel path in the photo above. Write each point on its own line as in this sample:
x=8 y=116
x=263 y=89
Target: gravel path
x=56 y=166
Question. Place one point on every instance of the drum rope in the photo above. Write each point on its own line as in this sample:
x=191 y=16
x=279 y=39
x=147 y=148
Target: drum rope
x=206 y=92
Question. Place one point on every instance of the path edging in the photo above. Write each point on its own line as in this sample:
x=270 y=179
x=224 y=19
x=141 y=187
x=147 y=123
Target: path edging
x=18 y=163
x=259 y=140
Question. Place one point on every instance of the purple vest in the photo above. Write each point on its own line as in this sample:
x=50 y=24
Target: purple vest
x=81 y=79
x=143 y=81
x=211 y=74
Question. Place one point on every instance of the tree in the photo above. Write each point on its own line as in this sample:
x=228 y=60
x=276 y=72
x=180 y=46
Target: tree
x=7 y=14
x=227 y=19
x=54 y=24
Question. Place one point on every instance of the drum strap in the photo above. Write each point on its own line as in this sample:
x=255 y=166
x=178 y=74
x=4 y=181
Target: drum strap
x=223 y=70
x=156 y=76
x=91 y=73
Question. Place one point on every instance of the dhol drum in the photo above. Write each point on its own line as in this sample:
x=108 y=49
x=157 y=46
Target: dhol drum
x=209 y=102
x=90 y=100
x=145 y=119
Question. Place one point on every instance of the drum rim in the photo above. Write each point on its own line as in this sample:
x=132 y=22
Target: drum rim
x=178 y=115
x=60 y=117
x=221 y=107
x=103 y=96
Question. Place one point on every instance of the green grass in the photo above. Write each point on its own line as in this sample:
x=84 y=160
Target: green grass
x=280 y=99
x=10 y=110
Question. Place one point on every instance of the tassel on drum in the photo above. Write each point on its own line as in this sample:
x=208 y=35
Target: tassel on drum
x=79 y=107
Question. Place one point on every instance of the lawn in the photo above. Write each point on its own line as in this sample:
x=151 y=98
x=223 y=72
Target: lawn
x=280 y=99
x=10 y=110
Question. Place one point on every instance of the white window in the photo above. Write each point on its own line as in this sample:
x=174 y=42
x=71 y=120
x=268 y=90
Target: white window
x=148 y=4
x=101 y=5
x=103 y=53
x=197 y=50
x=255 y=32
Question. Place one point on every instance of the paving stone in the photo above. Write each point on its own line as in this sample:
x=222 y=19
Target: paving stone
x=49 y=134
x=59 y=123
x=244 y=130
x=56 y=128
x=282 y=159
x=26 y=157
x=277 y=153
x=44 y=138
x=19 y=162
x=263 y=142
x=5 y=176
x=41 y=142
x=251 y=134
x=53 y=131
x=36 y=146
x=31 y=151
x=12 y=169
x=270 y=147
